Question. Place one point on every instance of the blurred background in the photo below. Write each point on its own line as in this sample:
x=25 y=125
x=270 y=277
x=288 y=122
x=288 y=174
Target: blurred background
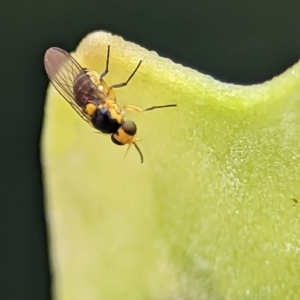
x=237 y=41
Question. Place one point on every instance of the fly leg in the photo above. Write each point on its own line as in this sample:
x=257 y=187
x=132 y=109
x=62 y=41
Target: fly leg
x=105 y=89
x=138 y=109
x=107 y=63
x=119 y=85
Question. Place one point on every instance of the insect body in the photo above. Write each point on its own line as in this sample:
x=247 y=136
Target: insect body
x=92 y=98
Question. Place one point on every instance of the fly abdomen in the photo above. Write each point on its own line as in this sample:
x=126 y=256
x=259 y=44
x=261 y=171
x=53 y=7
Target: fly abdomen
x=84 y=89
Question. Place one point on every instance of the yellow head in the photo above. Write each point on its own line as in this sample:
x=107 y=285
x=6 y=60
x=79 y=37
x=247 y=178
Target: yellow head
x=126 y=135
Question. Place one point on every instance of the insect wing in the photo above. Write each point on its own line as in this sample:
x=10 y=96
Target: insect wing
x=62 y=70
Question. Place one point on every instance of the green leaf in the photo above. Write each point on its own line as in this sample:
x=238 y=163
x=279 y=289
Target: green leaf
x=209 y=215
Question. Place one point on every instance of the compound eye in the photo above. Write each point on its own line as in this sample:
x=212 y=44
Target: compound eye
x=129 y=127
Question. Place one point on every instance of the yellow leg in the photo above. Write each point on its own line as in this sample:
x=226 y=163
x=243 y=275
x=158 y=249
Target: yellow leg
x=132 y=107
x=111 y=94
x=138 y=109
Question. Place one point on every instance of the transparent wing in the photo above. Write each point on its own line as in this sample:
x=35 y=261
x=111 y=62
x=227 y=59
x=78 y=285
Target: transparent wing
x=64 y=72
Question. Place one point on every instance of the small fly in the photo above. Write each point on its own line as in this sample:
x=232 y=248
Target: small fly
x=90 y=96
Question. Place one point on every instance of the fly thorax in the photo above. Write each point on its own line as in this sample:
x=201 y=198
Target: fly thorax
x=103 y=121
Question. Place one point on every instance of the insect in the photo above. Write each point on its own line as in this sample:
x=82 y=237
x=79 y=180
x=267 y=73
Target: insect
x=90 y=96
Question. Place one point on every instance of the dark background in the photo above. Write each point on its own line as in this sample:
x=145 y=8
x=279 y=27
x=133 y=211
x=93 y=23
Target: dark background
x=233 y=40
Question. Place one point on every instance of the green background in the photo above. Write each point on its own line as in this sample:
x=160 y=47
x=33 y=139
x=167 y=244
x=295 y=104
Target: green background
x=235 y=41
